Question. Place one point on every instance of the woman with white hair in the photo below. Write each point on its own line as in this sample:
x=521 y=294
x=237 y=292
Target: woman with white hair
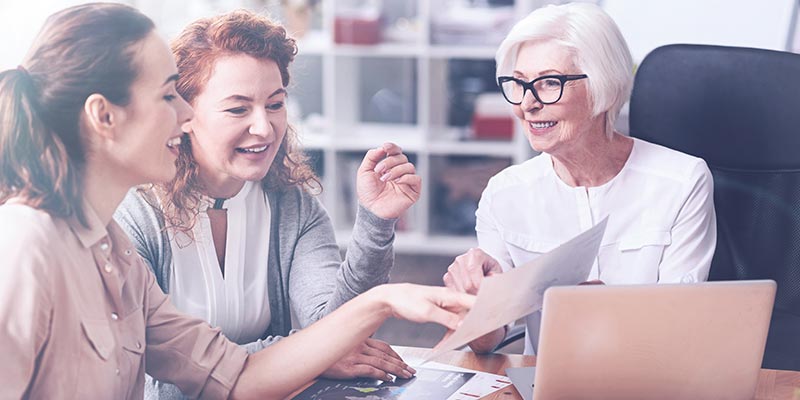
x=567 y=71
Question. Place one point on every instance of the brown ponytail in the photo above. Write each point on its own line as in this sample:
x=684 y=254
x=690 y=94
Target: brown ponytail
x=34 y=164
x=80 y=51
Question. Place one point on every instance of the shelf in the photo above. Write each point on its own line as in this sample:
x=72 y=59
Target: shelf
x=318 y=43
x=314 y=43
x=411 y=139
x=378 y=50
x=367 y=136
x=314 y=140
x=417 y=243
x=451 y=140
x=465 y=52
x=473 y=147
x=319 y=46
x=415 y=93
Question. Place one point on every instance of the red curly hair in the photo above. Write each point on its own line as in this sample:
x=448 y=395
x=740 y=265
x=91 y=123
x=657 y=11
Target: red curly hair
x=196 y=51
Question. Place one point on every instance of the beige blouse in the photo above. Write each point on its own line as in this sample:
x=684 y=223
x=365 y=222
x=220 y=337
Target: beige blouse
x=81 y=317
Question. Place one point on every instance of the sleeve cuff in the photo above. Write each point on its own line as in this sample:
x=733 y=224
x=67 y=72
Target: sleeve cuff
x=225 y=374
x=372 y=227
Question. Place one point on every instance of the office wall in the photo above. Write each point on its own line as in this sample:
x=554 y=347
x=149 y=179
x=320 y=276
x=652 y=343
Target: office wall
x=647 y=24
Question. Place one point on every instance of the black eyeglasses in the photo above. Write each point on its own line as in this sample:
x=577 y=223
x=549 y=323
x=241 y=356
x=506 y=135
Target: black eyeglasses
x=546 y=89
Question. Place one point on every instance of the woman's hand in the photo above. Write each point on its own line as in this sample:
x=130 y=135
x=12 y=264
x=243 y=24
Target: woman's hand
x=386 y=183
x=372 y=359
x=465 y=275
x=468 y=270
x=308 y=353
x=418 y=303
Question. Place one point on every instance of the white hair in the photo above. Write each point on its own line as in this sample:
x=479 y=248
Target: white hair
x=599 y=51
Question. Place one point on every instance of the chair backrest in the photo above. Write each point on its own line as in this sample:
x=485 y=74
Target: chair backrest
x=739 y=109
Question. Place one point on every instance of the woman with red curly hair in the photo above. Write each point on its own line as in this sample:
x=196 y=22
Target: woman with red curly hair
x=237 y=238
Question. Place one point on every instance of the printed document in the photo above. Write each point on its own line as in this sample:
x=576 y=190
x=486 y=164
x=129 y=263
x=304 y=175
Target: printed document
x=509 y=296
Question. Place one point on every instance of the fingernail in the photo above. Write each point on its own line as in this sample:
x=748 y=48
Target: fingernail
x=379 y=168
x=388 y=378
x=411 y=370
x=385 y=177
x=407 y=375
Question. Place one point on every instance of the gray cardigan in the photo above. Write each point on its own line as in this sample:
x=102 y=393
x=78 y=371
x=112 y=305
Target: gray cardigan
x=306 y=271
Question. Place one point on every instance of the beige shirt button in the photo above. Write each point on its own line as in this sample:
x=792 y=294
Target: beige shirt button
x=108 y=268
x=104 y=246
x=117 y=372
x=138 y=345
x=114 y=316
x=128 y=252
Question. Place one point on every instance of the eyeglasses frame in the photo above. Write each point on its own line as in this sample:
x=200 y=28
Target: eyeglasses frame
x=526 y=86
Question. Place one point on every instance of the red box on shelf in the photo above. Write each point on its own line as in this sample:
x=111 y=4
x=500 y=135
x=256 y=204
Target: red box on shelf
x=492 y=119
x=348 y=30
x=492 y=127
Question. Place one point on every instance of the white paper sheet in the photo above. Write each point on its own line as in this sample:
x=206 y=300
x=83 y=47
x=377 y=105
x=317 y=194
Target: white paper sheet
x=506 y=297
x=480 y=385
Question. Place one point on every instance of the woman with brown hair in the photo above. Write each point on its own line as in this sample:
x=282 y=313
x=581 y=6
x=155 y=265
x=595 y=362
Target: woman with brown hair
x=92 y=111
x=237 y=238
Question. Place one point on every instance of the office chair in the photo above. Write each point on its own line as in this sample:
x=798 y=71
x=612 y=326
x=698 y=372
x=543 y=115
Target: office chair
x=739 y=109
x=517 y=332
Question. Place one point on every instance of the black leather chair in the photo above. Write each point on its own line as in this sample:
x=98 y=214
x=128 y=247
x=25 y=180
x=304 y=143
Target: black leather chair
x=739 y=109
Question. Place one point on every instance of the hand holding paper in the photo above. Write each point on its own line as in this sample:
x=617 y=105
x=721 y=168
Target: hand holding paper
x=468 y=270
x=506 y=297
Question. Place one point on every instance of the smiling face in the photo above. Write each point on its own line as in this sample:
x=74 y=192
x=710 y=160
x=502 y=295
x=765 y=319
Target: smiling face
x=554 y=128
x=239 y=124
x=149 y=126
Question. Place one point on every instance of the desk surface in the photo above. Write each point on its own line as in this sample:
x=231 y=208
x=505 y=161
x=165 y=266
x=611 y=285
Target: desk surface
x=772 y=384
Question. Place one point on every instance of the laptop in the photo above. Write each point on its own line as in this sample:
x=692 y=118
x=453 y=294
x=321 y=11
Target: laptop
x=656 y=341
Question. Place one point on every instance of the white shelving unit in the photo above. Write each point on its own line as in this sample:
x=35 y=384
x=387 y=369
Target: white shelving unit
x=328 y=82
x=341 y=131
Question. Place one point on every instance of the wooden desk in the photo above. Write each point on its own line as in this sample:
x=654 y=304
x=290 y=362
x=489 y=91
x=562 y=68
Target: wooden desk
x=772 y=384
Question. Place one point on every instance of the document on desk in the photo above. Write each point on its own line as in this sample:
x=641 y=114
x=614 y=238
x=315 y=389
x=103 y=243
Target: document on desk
x=480 y=385
x=427 y=384
x=509 y=296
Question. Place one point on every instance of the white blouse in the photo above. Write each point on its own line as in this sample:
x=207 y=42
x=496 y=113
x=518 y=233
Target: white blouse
x=661 y=227
x=238 y=302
